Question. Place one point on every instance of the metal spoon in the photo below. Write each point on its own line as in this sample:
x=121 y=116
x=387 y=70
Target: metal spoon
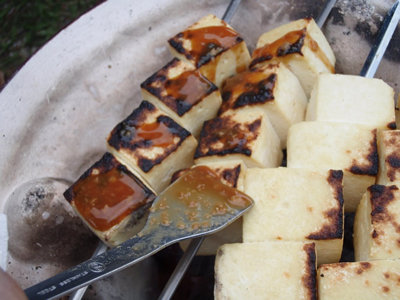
x=194 y=205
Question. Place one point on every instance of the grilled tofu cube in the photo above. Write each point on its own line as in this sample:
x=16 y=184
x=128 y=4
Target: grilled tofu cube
x=389 y=156
x=302 y=46
x=248 y=136
x=152 y=145
x=372 y=280
x=272 y=88
x=231 y=173
x=340 y=146
x=184 y=94
x=110 y=200
x=352 y=99
x=285 y=209
x=376 y=224
x=213 y=47
x=266 y=270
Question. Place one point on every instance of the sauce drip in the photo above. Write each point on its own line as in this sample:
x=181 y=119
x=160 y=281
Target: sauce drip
x=207 y=42
x=290 y=43
x=195 y=198
x=187 y=90
x=105 y=199
x=158 y=133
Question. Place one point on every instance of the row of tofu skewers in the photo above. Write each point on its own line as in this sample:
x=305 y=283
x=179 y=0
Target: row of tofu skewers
x=216 y=105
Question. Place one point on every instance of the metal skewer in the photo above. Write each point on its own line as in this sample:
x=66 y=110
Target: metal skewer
x=384 y=36
x=325 y=13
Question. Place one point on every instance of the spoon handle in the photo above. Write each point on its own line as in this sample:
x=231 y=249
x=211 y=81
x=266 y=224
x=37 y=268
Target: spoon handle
x=114 y=260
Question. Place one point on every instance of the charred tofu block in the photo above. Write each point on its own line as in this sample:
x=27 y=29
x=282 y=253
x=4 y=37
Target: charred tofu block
x=286 y=209
x=372 y=280
x=389 y=156
x=340 y=146
x=231 y=173
x=248 y=136
x=376 y=224
x=110 y=200
x=184 y=94
x=302 y=46
x=152 y=145
x=213 y=47
x=266 y=270
x=272 y=88
x=352 y=99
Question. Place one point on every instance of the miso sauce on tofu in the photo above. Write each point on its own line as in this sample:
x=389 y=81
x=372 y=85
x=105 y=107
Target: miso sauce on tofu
x=302 y=46
x=272 y=88
x=152 y=145
x=183 y=93
x=266 y=270
x=110 y=199
x=377 y=224
x=296 y=205
x=372 y=280
x=248 y=136
x=213 y=47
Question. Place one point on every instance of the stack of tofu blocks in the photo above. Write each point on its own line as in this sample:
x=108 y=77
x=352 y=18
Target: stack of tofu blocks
x=215 y=105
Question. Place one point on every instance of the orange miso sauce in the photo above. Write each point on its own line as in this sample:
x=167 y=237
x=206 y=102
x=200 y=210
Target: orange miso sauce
x=292 y=42
x=207 y=39
x=104 y=200
x=158 y=133
x=189 y=87
x=281 y=46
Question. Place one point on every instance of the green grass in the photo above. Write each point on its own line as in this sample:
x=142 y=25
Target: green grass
x=26 y=25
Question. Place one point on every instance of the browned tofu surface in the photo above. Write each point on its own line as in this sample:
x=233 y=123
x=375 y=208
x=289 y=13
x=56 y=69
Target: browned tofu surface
x=180 y=93
x=143 y=131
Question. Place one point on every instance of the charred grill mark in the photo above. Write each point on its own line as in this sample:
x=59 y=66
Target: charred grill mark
x=394 y=162
x=371 y=167
x=261 y=93
x=334 y=226
x=251 y=87
x=222 y=136
x=177 y=44
x=381 y=196
x=232 y=175
x=309 y=279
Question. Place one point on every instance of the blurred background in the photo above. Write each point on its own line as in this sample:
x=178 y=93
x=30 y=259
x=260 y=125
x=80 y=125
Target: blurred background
x=25 y=26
